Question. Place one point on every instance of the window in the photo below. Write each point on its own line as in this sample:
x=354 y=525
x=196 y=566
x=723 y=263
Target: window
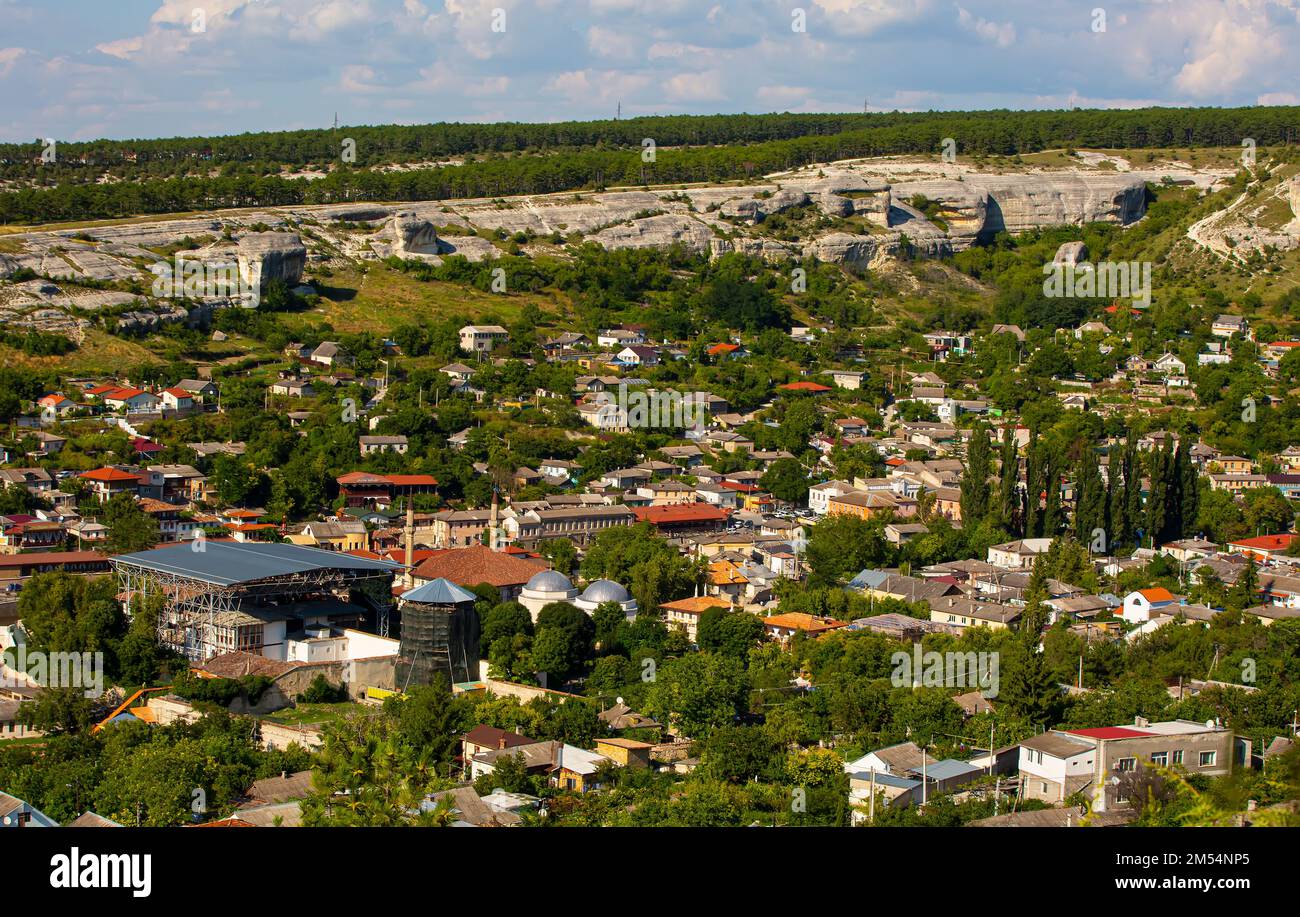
x=1044 y=785
x=1208 y=758
x=1178 y=757
x=1160 y=758
x=1126 y=764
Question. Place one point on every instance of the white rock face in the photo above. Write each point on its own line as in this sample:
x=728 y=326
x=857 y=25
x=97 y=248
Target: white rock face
x=1071 y=253
x=663 y=231
x=767 y=249
x=1294 y=193
x=1021 y=202
x=757 y=209
x=843 y=194
x=413 y=235
x=867 y=252
x=962 y=207
x=267 y=256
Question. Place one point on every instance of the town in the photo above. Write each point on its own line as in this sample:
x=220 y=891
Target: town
x=456 y=465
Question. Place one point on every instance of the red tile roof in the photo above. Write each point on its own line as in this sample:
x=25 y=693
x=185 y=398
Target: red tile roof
x=108 y=475
x=1158 y=594
x=1265 y=542
x=478 y=564
x=683 y=512
x=805 y=387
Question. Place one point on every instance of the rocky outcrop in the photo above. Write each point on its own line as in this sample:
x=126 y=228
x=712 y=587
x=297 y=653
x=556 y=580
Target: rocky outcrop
x=844 y=194
x=1018 y=203
x=757 y=209
x=767 y=249
x=962 y=207
x=357 y=215
x=663 y=231
x=1293 y=190
x=413 y=235
x=1071 y=253
x=867 y=252
x=267 y=256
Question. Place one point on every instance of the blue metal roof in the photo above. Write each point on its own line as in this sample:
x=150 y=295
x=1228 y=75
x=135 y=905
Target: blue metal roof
x=230 y=563
x=950 y=767
x=868 y=579
x=439 y=592
x=883 y=779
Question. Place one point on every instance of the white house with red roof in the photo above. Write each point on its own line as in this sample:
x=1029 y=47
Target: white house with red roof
x=132 y=400
x=108 y=482
x=177 y=399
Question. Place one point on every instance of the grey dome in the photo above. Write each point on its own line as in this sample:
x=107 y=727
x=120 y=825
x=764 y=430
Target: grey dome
x=604 y=590
x=550 y=581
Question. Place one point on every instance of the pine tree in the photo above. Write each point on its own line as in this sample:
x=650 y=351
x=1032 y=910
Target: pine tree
x=975 y=481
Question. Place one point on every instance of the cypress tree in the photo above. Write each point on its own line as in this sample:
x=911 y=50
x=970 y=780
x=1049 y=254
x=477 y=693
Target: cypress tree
x=1158 y=499
x=1008 y=489
x=1033 y=488
x=1089 y=497
x=1052 y=503
x=1132 y=491
x=1189 y=491
x=975 y=481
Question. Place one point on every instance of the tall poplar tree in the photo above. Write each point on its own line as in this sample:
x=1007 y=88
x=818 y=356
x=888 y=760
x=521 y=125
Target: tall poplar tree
x=975 y=490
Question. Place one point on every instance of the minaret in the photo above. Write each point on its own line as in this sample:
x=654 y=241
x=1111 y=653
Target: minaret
x=492 y=522
x=408 y=579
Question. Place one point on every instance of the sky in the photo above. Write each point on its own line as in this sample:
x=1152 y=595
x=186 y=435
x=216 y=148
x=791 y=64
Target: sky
x=86 y=69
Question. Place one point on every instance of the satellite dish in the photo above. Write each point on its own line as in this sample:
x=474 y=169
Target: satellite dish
x=1209 y=724
x=618 y=700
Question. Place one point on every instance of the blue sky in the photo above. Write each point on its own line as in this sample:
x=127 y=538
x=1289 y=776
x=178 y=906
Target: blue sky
x=82 y=69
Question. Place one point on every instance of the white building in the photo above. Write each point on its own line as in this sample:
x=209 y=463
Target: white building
x=547 y=587
x=482 y=338
x=819 y=495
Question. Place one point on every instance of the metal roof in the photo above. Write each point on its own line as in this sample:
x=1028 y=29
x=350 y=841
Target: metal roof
x=950 y=767
x=439 y=592
x=229 y=563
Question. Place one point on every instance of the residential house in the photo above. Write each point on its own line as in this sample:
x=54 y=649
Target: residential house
x=482 y=338
x=370 y=445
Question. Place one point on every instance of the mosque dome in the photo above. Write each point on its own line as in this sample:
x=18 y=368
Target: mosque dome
x=550 y=581
x=603 y=590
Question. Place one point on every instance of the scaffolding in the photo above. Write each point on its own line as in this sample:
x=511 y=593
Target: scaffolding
x=201 y=618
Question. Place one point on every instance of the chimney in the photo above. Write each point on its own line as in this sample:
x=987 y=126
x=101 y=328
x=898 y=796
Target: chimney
x=408 y=578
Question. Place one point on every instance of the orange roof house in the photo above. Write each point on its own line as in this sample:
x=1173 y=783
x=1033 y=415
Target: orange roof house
x=810 y=387
x=784 y=626
x=686 y=613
